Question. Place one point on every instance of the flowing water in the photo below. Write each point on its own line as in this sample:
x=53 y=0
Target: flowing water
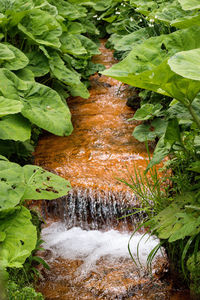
x=86 y=240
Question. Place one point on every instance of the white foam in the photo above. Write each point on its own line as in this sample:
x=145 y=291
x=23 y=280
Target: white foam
x=90 y=246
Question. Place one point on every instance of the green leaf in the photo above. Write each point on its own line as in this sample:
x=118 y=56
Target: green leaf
x=25 y=74
x=68 y=10
x=143 y=133
x=186 y=64
x=19 y=61
x=15 y=127
x=71 y=44
x=148 y=132
x=38 y=63
x=195 y=167
x=9 y=106
x=146 y=65
x=147 y=111
x=41 y=184
x=172 y=134
x=160 y=152
x=20 y=239
x=5 y=52
x=89 y=45
x=41 y=27
x=189 y=4
x=43 y=107
x=11 y=85
x=11 y=184
x=67 y=76
x=2 y=236
x=127 y=42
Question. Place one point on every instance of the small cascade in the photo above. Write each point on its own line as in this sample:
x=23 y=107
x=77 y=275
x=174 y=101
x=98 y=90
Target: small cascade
x=91 y=210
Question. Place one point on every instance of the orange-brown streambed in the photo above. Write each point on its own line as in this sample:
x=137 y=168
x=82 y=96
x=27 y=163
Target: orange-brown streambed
x=100 y=149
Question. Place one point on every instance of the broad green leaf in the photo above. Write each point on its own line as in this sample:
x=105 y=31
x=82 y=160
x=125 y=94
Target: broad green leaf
x=127 y=42
x=42 y=28
x=67 y=76
x=11 y=85
x=148 y=132
x=19 y=61
x=186 y=21
x=146 y=65
x=68 y=10
x=38 y=63
x=41 y=184
x=11 y=184
x=25 y=74
x=147 y=111
x=102 y=5
x=71 y=44
x=75 y=28
x=144 y=6
x=89 y=27
x=20 y=239
x=15 y=127
x=43 y=107
x=9 y=106
x=61 y=72
x=171 y=13
x=5 y=53
x=89 y=45
x=186 y=64
x=189 y=4
x=143 y=133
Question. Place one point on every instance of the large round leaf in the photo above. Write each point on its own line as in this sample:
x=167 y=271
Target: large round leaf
x=44 y=107
x=11 y=184
x=18 y=238
x=186 y=64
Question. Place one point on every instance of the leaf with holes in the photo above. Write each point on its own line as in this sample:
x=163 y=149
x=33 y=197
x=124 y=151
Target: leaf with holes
x=41 y=184
x=20 y=238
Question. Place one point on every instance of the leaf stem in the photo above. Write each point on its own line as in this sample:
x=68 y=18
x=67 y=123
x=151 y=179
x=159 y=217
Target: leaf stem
x=194 y=115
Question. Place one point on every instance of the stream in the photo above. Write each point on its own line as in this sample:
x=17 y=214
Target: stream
x=86 y=240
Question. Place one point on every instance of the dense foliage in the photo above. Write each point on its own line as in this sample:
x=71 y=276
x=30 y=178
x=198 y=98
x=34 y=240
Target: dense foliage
x=45 y=56
x=165 y=62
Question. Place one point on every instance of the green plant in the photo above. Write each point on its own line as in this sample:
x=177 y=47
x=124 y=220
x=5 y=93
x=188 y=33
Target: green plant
x=18 y=235
x=15 y=292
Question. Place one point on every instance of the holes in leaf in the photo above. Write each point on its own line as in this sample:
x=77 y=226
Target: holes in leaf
x=163 y=47
x=22 y=242
x=3 y=179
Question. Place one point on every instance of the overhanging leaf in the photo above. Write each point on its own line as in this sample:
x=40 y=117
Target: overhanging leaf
x=186 y=64
x=11 y=184
x=43 y=107
x=20 y=239
x=41 y=184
